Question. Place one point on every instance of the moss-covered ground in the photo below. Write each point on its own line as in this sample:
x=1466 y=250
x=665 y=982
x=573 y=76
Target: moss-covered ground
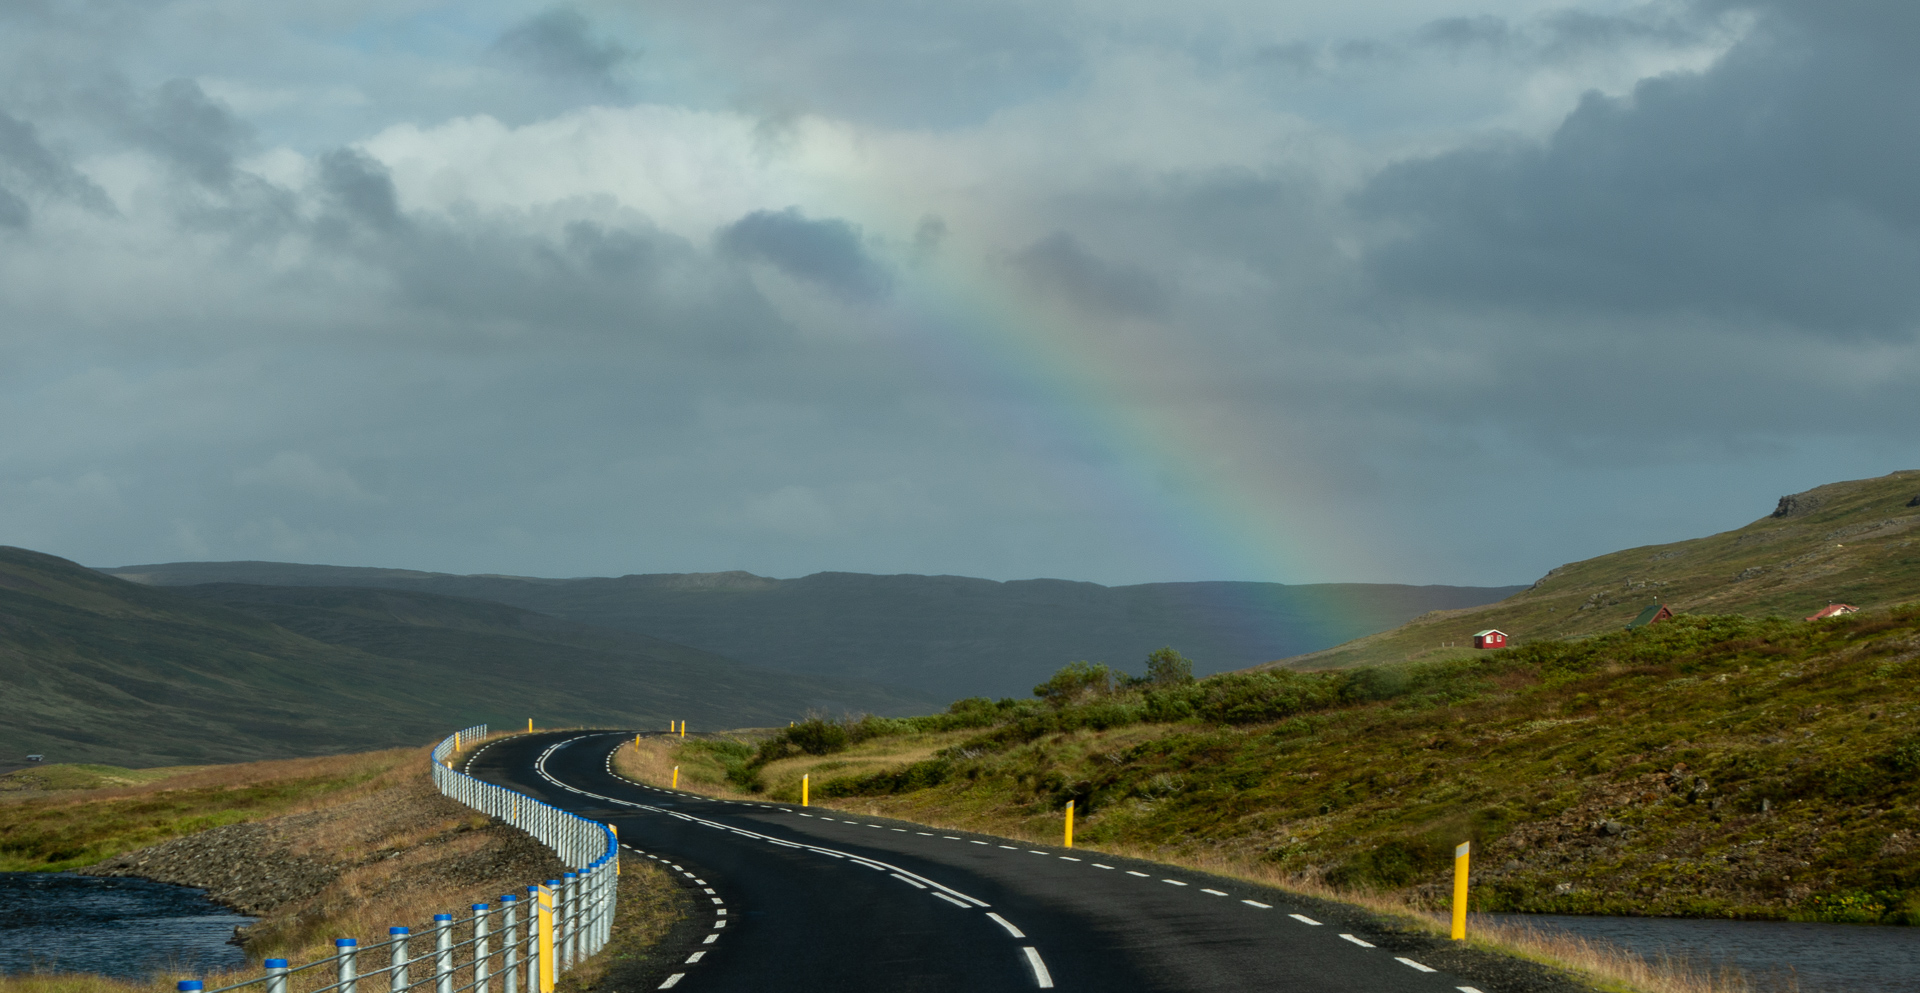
x=1704 y=766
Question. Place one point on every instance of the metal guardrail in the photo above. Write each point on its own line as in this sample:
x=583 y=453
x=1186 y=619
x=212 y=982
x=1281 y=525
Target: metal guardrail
x=567 y=920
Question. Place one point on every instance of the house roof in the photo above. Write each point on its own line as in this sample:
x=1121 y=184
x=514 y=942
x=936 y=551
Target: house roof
x=1833 y=609
x=1482 y=634
x=1649 y=615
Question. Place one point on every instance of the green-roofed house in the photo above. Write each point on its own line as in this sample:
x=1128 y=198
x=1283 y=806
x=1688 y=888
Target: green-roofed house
x=1657 y=612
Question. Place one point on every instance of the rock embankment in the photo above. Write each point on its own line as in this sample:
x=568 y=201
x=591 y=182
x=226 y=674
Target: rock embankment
x=391 y=856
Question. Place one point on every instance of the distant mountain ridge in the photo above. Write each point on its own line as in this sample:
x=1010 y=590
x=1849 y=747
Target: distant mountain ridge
x=945 y=636
x=98 y=669
x=1854 y=542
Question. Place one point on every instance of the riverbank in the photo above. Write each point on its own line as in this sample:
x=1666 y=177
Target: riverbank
x=344 y=846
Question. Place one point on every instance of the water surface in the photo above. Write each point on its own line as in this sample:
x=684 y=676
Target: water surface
x=59 y=921
x=1775 y=955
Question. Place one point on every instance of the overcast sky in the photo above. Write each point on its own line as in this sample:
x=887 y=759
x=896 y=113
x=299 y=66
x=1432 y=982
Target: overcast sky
x=1431 y=291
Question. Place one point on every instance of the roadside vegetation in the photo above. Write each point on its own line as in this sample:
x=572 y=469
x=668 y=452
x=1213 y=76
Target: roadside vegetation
x=341 y=846
x=1716 y=766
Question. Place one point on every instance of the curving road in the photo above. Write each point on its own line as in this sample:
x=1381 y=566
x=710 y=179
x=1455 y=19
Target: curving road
x=810 y=899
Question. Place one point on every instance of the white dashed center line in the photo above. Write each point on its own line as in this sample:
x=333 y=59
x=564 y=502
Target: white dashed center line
x=711 y=939
x=1214 y=892
x=1409 y=962
x=1142 y=875
x=1174 y=882
x=1097 y=865
x=695 y=957
x=1302 y=918
x=1003 y=922
x=672 y=981
x=1041 y=976
x=1357 y=941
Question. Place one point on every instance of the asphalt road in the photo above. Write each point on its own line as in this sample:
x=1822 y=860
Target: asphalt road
x=807 y=899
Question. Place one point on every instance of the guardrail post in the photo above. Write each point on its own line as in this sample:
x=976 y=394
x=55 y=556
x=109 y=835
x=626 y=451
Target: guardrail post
x=569 y=908
x=482 y=950
x=545 y=943
x=397 y=971
x=443 y=953
x=510 y=944
x=346 y=974
x=276 y=975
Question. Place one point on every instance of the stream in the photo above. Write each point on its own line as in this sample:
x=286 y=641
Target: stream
x=1776 y=956
x=129 y=928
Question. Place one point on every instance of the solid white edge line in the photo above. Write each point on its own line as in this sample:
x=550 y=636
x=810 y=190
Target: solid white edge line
x=916 y=884
x=1403 y=960
x=1358 y=941
x=1003 y=922
x=1041 y=976
x=1302 y=918
x=951 y=900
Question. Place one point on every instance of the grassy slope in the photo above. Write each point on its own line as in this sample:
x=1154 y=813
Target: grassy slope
x=949 y=636
x=1852 y=542
x=97 y=669
x=61 y=817
x=1709 y=766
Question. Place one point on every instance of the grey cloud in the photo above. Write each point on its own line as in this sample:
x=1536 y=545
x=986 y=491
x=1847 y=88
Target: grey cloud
x=178 y=122
x=13 y=210
x=1061 y=265
x=30 y=163
x=1775 y=186
x=360 y=187
x=1461 y=32
x=826 y=252
x=560 y=43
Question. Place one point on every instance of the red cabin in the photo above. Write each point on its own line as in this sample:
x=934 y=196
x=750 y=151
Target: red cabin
x=1833 y=610
x=1490 y=638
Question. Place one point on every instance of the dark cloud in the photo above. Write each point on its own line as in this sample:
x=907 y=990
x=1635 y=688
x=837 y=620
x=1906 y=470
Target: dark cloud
x=360 y=187
x=1775 y=186
x=178 y=122
x=1059 y=264
x=28 y=164
x=560 y=43
x=826 y=252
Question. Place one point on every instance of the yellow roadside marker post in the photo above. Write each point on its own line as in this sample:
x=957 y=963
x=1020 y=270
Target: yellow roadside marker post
x=683 y=729
x=1460 y=890
x=529 y=725
x=676 y=777
x=546 y=935
x=1069 y=823
x=803 y=788
x=616 y=848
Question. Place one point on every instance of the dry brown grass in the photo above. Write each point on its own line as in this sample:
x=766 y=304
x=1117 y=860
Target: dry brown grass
x=396 y=852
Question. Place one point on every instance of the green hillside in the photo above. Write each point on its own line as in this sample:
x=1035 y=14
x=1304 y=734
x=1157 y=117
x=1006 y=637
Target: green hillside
x=97 y=669
x=943 y=636
x=1706 y=766
x=1856 y=542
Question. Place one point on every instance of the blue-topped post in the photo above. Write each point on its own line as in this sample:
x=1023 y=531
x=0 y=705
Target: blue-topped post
x=510 y=944
x=397 y=972
x=190 y=986
x=346 y=972
x=482 y=950
x=443 y=953
x=276 y=975
x=569 y=918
